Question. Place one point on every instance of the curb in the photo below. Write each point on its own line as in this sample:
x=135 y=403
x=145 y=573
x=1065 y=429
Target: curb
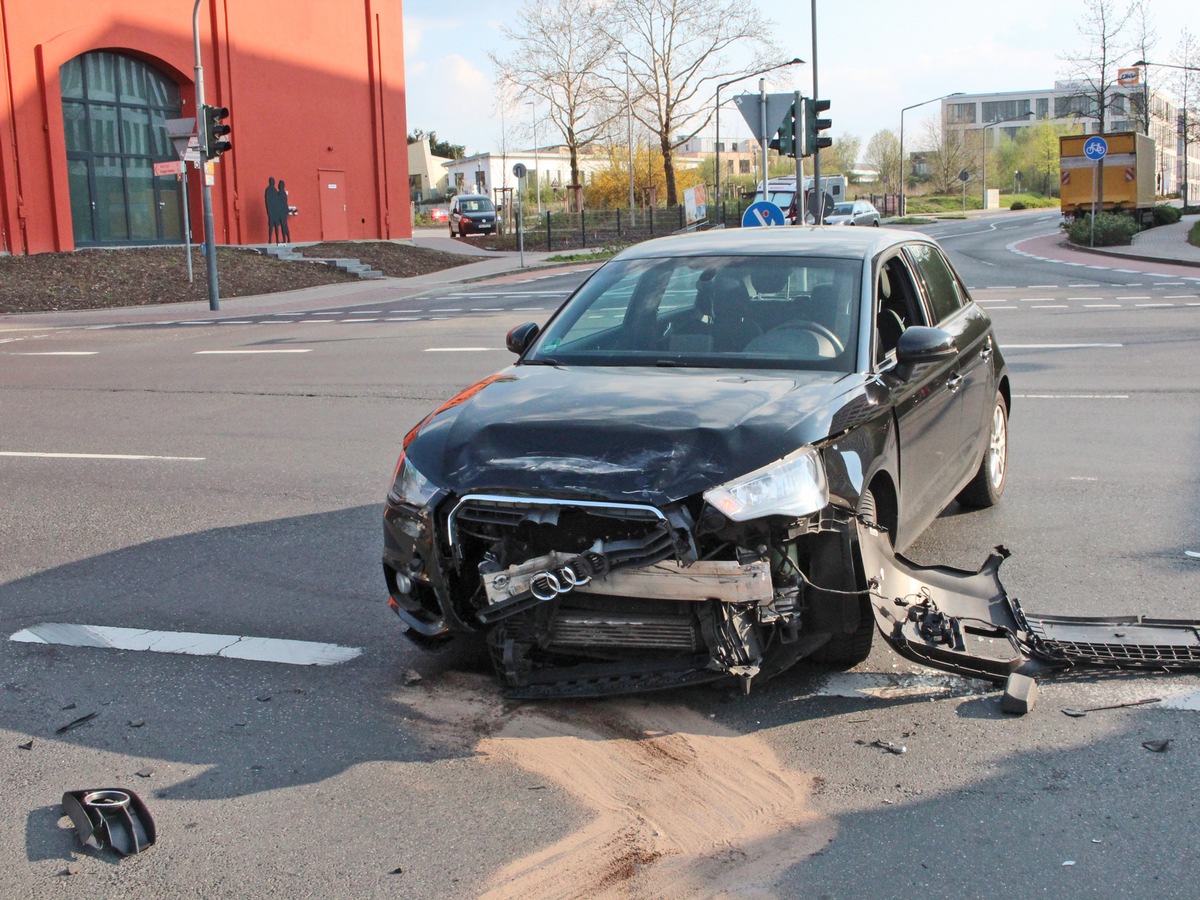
x=1121 y=254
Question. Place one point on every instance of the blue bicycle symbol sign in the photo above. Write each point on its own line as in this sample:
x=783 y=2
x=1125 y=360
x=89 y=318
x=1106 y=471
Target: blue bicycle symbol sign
x=1095 y=148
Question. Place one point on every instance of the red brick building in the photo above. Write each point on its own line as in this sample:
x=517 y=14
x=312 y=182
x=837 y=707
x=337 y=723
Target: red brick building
x=315 y=90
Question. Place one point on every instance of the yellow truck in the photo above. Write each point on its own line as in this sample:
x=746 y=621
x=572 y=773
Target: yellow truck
x=1123 y=182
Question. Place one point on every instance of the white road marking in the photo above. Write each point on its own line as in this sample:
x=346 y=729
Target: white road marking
x=235 y=322
x=1133 y=297
x=231 y=646
x=1041 y=287
x=1063 y=306
x=1179 y=297
x=57 y=353
x=1154 y=305
x=238 y=352
x=1084 y=284
x=1085 y=298
x=351 y=321
x=404 y=319
x=528 y=309
x=1061 y=346
x=458 y=309
x=1073 y=396
x=456 y=349
x=1036 y=299
x=124 y=456
x=1101 y=305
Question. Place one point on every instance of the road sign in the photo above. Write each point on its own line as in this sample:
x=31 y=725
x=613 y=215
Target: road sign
x=964 y=175
x=519 y=170
x=779 y=106
x=762 y=212
x=1129 y=77
x=171 y=167
x=1095 y=148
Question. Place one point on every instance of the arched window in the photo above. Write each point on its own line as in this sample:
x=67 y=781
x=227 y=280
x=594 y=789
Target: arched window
x=114 y=109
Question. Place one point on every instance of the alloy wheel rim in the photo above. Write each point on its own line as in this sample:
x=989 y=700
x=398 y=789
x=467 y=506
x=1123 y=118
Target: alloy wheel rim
x=997 y=447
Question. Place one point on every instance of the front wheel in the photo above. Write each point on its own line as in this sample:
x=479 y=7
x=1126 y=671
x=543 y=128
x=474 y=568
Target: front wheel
x=986 y=488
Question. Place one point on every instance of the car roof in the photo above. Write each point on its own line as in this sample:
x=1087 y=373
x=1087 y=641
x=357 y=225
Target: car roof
x=789 y=240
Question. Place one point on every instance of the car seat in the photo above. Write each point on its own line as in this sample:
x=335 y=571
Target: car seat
x=888 y=322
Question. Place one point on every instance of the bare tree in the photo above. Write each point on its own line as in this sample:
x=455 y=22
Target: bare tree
x=1145 y=37
x=883 y=153
x=948 y=155
x=562 y=46
x=676 y=52
x=1093 y=68
x=1185 y=83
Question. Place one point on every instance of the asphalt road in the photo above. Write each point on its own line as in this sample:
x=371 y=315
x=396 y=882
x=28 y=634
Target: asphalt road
x=227 y=479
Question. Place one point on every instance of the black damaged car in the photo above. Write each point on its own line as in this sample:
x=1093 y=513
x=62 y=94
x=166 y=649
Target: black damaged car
x=664 y=488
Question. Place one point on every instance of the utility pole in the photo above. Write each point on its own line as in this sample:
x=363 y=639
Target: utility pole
x=819 y=193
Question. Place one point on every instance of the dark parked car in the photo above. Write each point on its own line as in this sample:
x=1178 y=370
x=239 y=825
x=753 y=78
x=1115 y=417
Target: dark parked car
x=472 y=214
x=664 y=488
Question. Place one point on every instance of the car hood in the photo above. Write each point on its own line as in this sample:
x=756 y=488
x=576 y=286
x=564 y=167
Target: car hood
x=626 y=434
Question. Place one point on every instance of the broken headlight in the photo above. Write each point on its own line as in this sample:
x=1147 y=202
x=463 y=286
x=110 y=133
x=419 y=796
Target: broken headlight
x=409 y=486
x=792 y=486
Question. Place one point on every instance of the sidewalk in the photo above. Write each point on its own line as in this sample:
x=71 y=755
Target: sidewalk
x=490 y=265
x=1166 y=243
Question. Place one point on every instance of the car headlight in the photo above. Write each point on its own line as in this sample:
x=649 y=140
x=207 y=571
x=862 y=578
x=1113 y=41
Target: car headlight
x=792 y=486
x=409 y=486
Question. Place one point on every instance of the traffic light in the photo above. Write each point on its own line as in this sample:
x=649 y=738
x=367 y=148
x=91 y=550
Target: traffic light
x=789 y=130
x=813 y=140
x=214 y=141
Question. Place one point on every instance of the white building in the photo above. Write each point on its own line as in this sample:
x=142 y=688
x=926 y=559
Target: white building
x=1069 y=104
x=484 y=173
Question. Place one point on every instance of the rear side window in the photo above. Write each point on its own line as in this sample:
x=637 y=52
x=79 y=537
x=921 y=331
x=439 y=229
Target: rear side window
x=940 y=285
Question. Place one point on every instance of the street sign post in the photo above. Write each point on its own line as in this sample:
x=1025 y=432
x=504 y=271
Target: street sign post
x=182 y=133
x=1095 y=149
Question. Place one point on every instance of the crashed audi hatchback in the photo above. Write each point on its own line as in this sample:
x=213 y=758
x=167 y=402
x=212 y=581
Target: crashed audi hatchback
x=665 y=488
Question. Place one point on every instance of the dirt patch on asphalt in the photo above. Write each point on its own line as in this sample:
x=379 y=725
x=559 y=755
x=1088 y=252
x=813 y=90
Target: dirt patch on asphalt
x=679 y=805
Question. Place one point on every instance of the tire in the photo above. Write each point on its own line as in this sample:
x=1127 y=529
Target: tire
x=986 y=488
x=876 y=223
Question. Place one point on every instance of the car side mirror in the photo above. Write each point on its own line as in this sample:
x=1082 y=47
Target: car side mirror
x=921 y=345
x=519 y=339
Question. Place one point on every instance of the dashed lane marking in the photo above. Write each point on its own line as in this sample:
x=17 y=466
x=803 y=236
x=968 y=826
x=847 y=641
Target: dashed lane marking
x=249 y=352
x=116 y=456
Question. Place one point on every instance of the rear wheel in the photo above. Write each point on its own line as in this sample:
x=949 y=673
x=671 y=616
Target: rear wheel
x=986 y=488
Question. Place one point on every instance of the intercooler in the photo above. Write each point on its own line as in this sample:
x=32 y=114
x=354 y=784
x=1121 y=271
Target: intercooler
x=624 y=632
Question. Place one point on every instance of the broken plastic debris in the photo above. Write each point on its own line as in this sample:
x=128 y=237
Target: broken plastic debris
x=1157 y=746
x=136 y=723
x=75 y=723
x=144 y=773
x=1080 y=713
x=26 y=746
x=110 y=817
x=1192 y=553
x=412 y=676
x=890 y=747
x=1068 y=862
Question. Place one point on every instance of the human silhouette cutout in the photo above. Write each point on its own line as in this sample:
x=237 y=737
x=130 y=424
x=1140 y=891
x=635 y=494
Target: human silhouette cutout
x=271 y=198
x=282 y=200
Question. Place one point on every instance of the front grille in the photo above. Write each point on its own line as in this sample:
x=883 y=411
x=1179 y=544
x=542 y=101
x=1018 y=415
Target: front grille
x=628 y=632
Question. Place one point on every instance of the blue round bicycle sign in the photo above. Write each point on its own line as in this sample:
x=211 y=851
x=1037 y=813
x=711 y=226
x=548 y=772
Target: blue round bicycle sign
x=1095 y=148
x=762 y=212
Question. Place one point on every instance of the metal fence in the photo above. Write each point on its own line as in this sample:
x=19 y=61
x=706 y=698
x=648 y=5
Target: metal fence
x=596 y=228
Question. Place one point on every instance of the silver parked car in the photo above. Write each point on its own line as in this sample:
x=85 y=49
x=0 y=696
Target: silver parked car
x=853 y=212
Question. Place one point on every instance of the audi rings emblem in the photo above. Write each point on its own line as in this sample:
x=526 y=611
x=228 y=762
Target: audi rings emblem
x=548 y=585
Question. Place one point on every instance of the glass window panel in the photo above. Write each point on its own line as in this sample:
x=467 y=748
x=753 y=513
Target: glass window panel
x=939 y=281
x=101 y=73
x=170 y=205
x=104 y=129
x=111 y=221
x=131 y=78
x=70 y=76
x=143 y=204
x=161 y=91
x=135 y=132
x=160 y=143
x=81 y=201
x=75 y=125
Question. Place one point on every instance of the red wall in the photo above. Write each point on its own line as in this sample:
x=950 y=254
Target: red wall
x=312 y=86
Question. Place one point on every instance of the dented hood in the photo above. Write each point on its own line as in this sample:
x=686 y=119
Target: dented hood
x=630 y=434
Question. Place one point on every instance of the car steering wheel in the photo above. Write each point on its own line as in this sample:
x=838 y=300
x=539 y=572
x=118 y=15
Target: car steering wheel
x=814 y=328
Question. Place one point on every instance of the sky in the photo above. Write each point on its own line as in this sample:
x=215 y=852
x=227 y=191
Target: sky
x=875 y=57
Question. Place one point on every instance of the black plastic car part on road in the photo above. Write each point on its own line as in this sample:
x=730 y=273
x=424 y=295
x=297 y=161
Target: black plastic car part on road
x=664 y=488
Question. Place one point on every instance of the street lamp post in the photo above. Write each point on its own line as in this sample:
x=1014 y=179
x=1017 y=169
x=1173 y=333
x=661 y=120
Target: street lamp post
x=983 y=140
x=901 y=210
x=791 y=62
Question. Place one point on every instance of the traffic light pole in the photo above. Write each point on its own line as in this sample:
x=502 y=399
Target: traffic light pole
x=819 y=214
x=210 y=246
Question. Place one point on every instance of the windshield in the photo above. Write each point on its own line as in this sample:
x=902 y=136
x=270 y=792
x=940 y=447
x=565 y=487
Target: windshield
x=717 y=312
x=843 y=209
x=480 y=205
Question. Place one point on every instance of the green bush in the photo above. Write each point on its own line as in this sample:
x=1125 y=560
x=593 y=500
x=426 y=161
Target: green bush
x=1017 y=204
x=1112 y=229
x=1166 y=215
x=1194 y=235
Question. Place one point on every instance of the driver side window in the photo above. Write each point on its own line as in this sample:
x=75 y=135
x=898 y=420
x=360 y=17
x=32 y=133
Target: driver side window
x=896 y=306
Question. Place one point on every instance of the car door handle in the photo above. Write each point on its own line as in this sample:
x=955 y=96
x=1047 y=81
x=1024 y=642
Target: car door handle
x=954 y=382
x=986 y=353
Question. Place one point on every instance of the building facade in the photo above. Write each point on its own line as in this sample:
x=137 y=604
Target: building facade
x=1068 y=104
x=316 y=97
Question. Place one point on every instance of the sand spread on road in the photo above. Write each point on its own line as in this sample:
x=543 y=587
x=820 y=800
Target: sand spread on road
x=680 y=806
